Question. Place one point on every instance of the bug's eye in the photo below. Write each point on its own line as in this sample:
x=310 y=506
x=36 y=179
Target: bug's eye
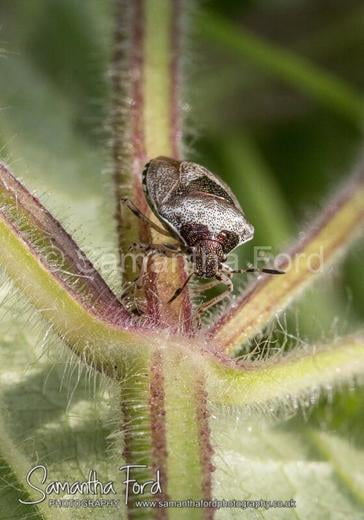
x=228 y=240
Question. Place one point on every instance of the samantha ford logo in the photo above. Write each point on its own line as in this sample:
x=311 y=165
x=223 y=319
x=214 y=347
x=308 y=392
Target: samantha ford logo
x=37 y=480
x=59 y=493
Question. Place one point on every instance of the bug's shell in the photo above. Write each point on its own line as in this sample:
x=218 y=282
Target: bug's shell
x=194 y=204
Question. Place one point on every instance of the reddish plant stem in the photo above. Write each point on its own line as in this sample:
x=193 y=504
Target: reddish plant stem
x=341 y=239
x=158 y=427
x=47 y=240
x=157 y=287
x=206 y=449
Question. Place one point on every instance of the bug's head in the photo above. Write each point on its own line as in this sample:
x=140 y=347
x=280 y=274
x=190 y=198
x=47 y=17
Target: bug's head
x=208 y=256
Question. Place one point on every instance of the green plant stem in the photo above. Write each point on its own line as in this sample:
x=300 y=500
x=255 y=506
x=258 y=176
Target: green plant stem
x=286 y=380
x=329 y=236
x=44 y=262
x=172 y=435
x=254 y=184
x=187 y=434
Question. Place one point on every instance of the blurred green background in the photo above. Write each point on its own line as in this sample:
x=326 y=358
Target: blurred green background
x=279 y=116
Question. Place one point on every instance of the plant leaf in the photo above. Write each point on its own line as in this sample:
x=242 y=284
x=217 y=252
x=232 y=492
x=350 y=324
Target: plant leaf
x=345 y=458
x=55 y=416
x=276 y=462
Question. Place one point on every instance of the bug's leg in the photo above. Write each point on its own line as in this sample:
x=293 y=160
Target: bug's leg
x=149 y=250
x=162 y=249
x=130 y=205
x=209 y=285
x=223 y=278
x=135 y=285
x=181 y=289
x=137 y=282
x=127 y=287
x=168 y=250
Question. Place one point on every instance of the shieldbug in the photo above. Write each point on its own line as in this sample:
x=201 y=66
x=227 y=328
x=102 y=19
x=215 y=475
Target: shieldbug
x=200 y=211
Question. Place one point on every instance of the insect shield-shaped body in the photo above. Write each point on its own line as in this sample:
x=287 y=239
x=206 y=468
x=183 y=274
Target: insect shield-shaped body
x=198 y=209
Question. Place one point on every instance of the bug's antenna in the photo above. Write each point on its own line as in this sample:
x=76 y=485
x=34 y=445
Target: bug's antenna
x=254 y=270
x=180 y=289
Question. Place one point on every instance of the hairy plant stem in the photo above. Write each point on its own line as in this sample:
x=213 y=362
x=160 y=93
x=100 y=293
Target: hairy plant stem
x=296 y=374
x=173 y=433
x=146 y=115
x=167 y=372
x=309 y=258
